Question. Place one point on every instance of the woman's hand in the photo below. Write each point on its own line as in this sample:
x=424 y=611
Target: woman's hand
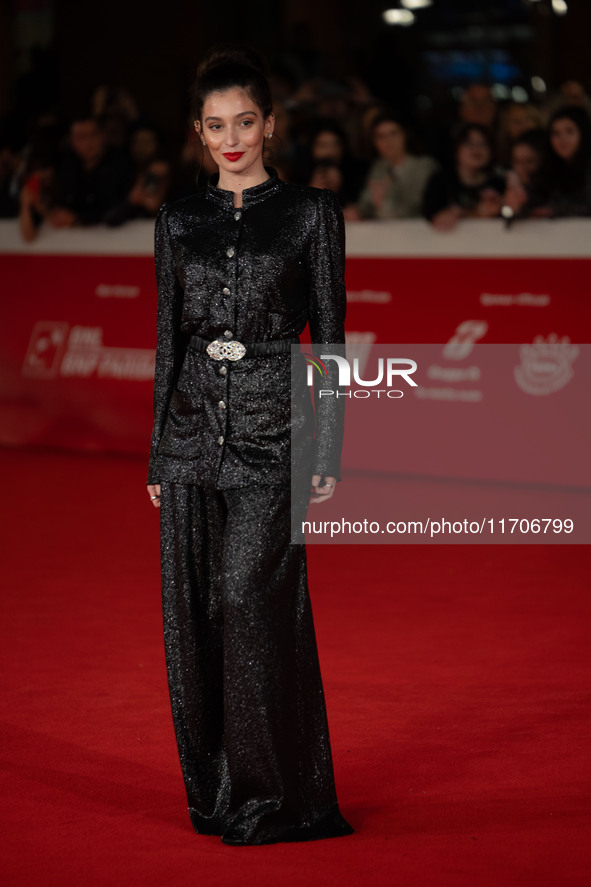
x=378 y=188
x=324 y=492
x=154 y=494
x=351 y=213
x=490 y=204
x=447 y=219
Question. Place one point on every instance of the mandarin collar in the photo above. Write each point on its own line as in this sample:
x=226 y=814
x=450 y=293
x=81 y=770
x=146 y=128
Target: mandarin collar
x=250 y=196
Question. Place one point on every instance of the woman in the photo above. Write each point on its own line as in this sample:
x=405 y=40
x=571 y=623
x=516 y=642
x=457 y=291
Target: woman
x=526 y=193
x=472 y=188
x=516 y=119
x=397 y=179
x=241 y=268
x=327 y=144
x=570 y=162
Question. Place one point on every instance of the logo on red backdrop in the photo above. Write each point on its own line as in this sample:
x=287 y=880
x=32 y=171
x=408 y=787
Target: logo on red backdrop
x=462 y=342
x=46 y=349
x=56 y=350
x=547 y=365
x=457 y=348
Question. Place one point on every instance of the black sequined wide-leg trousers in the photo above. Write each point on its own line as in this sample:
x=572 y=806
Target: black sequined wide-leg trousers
x=245 y=685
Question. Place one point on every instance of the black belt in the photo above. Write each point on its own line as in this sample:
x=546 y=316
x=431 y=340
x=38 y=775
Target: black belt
x=223 y=348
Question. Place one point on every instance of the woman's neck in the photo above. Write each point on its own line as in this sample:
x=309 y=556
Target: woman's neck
x=396 y=161
x=470 y=176
x=239 y=182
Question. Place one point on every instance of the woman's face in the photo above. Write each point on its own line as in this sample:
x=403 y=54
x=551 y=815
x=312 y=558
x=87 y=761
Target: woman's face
x=234 y=130
x=525 y=162
x=327 y=146
x=390 y=141
x=565 y=138
x=329 y=177
x=474 y=152
x=518 y=121
x=144 y=145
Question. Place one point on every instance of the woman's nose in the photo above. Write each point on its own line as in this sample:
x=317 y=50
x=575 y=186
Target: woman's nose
x=232 y=137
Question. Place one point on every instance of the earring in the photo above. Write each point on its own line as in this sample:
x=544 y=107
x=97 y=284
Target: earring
x=269 y=135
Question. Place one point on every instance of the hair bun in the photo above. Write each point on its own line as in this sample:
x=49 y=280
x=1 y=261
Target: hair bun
x=228 y=66
x=230 y=54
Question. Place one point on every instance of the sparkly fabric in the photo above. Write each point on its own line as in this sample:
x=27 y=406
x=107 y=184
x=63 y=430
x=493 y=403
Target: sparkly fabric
x=258 y=273
x=245 y=685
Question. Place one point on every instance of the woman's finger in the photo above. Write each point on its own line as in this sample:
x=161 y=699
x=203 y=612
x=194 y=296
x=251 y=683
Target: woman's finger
x=322 y=488
x=154 y=494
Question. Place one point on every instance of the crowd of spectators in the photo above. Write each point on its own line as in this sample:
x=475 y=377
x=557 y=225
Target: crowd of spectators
x=510 y=159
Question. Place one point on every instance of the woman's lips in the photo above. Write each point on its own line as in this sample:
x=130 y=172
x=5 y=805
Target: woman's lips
x=235 y=155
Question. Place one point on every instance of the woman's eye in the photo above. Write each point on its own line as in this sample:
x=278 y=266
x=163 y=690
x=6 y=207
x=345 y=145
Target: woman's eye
x=247 y=122
x=215 y=126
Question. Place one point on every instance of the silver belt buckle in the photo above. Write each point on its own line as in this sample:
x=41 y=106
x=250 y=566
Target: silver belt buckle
x=221 y=349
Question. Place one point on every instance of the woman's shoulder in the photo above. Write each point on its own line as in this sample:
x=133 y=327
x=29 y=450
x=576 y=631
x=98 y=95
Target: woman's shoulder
x=423 y=162
x=315 y=202
x=304 y=193
x=183 y=206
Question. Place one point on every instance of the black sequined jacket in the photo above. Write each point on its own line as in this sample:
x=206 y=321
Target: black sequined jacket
x=258 y=273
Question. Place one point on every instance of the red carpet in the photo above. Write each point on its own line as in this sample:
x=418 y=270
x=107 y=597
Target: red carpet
x=458 y=684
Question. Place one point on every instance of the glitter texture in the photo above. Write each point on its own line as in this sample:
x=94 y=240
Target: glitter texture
x=245 y=685
x=286 y=270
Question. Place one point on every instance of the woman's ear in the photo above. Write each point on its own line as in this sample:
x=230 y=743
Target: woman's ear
x=197 y=126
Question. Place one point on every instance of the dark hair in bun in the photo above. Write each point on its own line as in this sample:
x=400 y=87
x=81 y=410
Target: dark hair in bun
x=227 y=66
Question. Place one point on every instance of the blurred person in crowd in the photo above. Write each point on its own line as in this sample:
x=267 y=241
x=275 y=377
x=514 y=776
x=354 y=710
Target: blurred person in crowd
x=328 y=174
x=362 y=146
x=37 y=194
x=471 y=188
x=116 y=130
x=10 y=164
x=150 y=190
x=119 y=115
x=107 y=101
x=570 y=93
x=515 y=119
x=527 y=188
x=333 y=101
x=570 y=162
x=92 y=178
x=144 y=147
x=328 y=142
x=396 y=181
x=478 y=105
x=574 y=93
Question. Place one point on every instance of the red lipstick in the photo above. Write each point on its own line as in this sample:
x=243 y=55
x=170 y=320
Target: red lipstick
x=235 y=155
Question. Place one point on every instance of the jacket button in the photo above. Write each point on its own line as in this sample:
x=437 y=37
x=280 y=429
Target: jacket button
x=226 y=291
x=238 y=215
x=220 y=440
x=222 y=404
x=223 y=371
x=228 y=334
x=230 y=252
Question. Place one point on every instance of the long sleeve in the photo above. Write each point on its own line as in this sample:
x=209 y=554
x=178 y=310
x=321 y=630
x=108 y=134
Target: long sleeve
x=365 y=203
x=436 y=196
x=171 y=342
x=326 y=317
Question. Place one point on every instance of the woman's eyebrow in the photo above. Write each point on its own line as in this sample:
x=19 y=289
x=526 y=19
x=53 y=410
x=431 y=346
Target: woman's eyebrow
x=242 y=114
